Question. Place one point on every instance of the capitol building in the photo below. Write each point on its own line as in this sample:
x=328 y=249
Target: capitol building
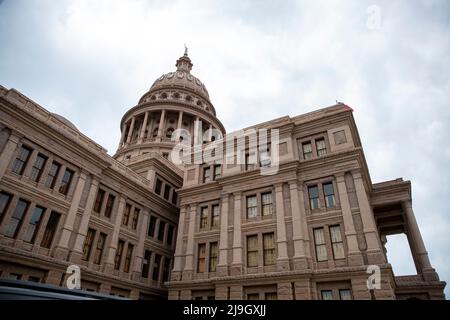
x=144 y=225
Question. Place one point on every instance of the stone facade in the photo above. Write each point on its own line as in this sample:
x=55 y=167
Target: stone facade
x=141 y=226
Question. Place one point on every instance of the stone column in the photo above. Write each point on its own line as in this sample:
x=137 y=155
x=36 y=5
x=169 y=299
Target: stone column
x=180 y=123
x=144 y=125
x=197 y=131
x=298 y=221
x=354 y=255
x=210 y=132
x=189 y=263
x=109 y=265
x=7 y=153
x=222 y=266
x=139 y=250
x=150 y=128
x=236 y=267
x=420 y=252
x=77 y=251
x=177 y=268
x=62 y=249
x=374 y=252
x=130 y=132
x=122 y=136
x=161 y=124
x=282 y=259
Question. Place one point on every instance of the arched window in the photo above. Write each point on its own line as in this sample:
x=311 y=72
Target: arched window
x=169 y=132
x=155 y=132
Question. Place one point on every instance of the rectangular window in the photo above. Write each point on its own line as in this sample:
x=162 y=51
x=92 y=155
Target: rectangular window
x=217 y=171
x=269 y=249
x=126 y=214
x=134 y=222
x=174 y=197
x=206 y=174
x=213 y=253
x=313 y=192
x=321 y=247
x=345 y=294
x=307 y=150
x=16 y=220
x=336 y=241
x=87 y=246
x=65 y=182
x=146 y=263
x=100 y=247
x=38 y=165
x=156 y=266
x=252 y=251
x=152 y=226
x=162 y=226
x=215 y=215
x=321 y=147
x=21 y=160
x=52 y=174
x=50 y=230
x=253 y=296
x=326 y=294
x=166 y=269
x=329 y=194
x=267 y=206
x=158 y=186
x=170 y=230
x=33 y=225
x=5 y=200
x=251 y=207
x=203 y=217
x=201 y=261
x=270 y=296
x=99 y=200
x=119 y=252
x=250 y=161
x=109 y=205
x=166 y=192
x=128 y=256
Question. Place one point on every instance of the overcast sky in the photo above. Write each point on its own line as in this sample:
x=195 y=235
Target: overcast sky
x=91 y=61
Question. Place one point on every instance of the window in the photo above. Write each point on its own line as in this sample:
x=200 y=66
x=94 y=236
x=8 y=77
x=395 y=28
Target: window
x=252 y=251
x=203 y=217
x=119 y=252
x=249 y=162
x=126 y=267
x=217 y=171
x=307 y=150
x=313 y=192
x=33 y=225
x=146 y=263
x=21 y=160
x=65 y=182
x=16 y=219
x=135 y=218
x=206 y=174
x=169 y=133
x=52 y=174
x=99 y=200
x=174 y=197
x=336 y=241
x=251 y=206
x=326 y=294
x=213 y=254
x=345 y=294
x=270 y=296
x=267 y=206
x=50 y=230
x=109 y=205
x=5 y=200
x=156 y=267
x=36 y=170
x=162 y=226
x=100 y=247
x=321 y=247
x=126 y=214
x=151 y=226
x=321 y=147
x=201 y=258
x=215 y=215
x=34 y=279
x=87 y=246
x=269 y=249
x=158 y=186
x=329 y=194
x=166 y=269
x=170 y=230
x=166 y=192
x=253 y=296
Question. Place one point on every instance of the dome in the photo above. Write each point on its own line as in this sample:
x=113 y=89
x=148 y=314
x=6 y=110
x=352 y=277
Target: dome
x=65 y=121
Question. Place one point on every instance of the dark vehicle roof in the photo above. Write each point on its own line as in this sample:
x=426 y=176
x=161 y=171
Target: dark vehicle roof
x=26 y=290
